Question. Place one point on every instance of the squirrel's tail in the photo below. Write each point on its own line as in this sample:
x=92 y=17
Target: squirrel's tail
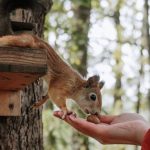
x=22 y=40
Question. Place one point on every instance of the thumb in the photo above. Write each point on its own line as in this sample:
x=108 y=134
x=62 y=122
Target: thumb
x=107 y=118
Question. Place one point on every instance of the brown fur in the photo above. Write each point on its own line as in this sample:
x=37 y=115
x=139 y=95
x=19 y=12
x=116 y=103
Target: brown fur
x=63 y=81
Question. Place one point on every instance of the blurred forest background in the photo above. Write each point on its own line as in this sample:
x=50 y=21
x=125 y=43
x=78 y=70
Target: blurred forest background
x=110 y=38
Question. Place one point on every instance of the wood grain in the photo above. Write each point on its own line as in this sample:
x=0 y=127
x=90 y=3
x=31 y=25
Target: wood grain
x=22 y=56
x=20 y=67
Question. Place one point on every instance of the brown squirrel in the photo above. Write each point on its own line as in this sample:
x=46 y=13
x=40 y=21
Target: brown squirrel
x=63 y=81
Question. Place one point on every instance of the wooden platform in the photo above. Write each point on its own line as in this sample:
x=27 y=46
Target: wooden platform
x=20 y=67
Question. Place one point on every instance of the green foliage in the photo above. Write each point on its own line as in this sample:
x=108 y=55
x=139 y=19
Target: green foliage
x=57 y=135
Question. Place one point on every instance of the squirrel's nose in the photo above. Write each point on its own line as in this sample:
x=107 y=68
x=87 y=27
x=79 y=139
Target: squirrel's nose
x=93 y=112
x=86 y=111
x=96 y=113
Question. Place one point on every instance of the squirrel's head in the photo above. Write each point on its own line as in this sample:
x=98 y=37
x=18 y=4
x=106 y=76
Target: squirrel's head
x=88 y=96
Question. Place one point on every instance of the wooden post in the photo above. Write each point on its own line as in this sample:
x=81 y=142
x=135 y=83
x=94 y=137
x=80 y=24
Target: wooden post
x=10 y=103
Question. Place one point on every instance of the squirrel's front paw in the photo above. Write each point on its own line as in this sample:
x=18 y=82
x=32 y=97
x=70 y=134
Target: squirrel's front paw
x=67 y=112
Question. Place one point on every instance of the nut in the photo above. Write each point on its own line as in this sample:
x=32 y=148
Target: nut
x=93 y=119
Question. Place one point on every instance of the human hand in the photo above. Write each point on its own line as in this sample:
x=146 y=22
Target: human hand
x=126 y=128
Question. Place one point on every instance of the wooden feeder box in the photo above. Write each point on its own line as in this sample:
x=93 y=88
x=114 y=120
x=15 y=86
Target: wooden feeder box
x=19 y=67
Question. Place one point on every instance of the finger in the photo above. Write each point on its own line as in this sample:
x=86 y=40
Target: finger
x=83 y=126
x=75 y=122
x=58 y=114
x=107 y=118
x=71 y=120
x=78 y=123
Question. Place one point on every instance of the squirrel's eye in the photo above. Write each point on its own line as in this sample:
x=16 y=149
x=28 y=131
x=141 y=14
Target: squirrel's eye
x=93 y=96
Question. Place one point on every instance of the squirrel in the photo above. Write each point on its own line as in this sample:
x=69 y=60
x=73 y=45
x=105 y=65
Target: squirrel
x=63 y=81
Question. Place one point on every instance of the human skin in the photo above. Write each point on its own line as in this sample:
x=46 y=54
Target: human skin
x=127 y=128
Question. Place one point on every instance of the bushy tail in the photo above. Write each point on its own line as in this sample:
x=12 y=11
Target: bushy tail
x=22 y=40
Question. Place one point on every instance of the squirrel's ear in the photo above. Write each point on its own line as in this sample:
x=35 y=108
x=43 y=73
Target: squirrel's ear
x=92 y=81
x=101 y=84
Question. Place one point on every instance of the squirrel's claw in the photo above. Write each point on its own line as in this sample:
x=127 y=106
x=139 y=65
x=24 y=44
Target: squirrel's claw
x=40 y=102
x=66 y=112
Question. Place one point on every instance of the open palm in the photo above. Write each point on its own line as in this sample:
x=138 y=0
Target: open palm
x=126 y=128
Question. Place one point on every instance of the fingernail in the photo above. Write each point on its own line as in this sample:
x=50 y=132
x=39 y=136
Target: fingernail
x=72 y=117
x=57 y=113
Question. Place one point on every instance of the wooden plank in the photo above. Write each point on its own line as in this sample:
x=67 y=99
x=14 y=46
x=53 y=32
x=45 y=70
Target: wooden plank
x=20 y=67
x=10 y=103
x=12 y=68
x=24 y=57
x=16 y=81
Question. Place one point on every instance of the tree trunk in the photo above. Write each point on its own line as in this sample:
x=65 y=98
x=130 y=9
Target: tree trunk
x=139 y=94
x=118 y=55
x=79 y=35
x=25 y=131
x=147 y=36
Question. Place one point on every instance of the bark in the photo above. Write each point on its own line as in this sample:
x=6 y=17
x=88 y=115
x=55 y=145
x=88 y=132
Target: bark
x=139 y=94
x=79 y=35
x=25 y=131
x=118 y=74
x=147 y=36
x=146 y=5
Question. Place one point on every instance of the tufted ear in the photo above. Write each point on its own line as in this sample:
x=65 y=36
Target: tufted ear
x=101 y=84
x=92 y=81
